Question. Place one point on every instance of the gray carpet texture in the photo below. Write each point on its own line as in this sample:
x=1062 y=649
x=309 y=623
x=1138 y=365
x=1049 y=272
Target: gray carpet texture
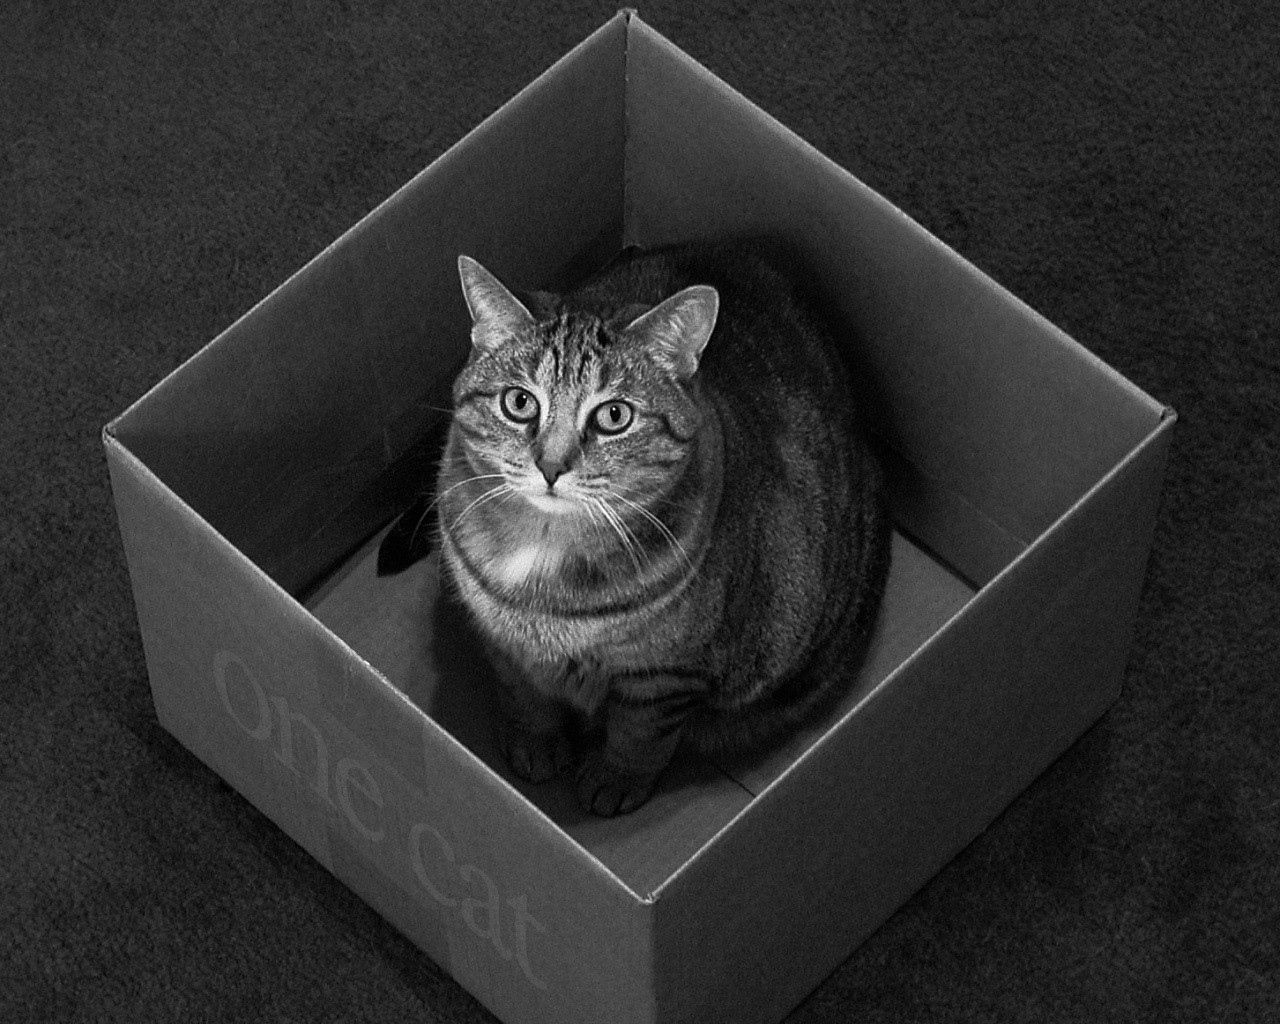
x=1117 y=166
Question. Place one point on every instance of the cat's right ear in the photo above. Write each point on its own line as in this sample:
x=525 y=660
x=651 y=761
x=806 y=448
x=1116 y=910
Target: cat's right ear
x=496 y=314
x=677 y=329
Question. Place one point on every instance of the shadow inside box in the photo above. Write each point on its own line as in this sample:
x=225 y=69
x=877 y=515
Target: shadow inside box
x=419 y=637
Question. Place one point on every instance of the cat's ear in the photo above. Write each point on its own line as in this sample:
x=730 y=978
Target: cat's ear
x=496 y=314
x=677 y=329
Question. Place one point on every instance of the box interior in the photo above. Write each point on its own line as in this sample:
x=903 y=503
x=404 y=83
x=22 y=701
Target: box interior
x=422 y=642
x=303 y=429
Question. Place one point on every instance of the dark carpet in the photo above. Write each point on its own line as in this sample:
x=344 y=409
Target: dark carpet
x=1117 y=165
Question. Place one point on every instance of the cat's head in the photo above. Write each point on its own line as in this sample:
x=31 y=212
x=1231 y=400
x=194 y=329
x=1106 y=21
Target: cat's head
x=572 y=409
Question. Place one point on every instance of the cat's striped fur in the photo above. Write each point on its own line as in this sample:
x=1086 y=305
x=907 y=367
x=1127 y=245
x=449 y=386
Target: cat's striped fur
x=707 y=574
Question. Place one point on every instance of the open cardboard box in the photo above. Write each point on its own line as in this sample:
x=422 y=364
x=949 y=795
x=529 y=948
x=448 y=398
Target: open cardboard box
x=253 y=482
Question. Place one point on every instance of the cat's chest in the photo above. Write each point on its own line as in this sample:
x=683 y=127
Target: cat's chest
x=526 y=562
x=529 y=626
x=522 y=599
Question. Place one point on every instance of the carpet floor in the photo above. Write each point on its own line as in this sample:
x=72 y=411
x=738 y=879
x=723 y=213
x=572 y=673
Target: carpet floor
x=162 y=167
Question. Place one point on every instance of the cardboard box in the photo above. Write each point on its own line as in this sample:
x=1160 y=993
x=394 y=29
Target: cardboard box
x=252 y=482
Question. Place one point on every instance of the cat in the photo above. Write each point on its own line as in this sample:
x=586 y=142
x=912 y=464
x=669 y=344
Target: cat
x=658 y=504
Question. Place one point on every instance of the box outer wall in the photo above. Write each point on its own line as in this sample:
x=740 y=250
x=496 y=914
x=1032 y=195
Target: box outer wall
x=205 y=621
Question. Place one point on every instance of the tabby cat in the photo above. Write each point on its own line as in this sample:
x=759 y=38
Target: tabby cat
x=658 y=506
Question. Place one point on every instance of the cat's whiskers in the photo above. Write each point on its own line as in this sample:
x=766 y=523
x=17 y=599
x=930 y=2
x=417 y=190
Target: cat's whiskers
x=619 y=527
x=597 y=521
x=499 y=491
x=662 y=527
x=682 y=506
x=439 y=497
x=598 y=506
x=469 y=480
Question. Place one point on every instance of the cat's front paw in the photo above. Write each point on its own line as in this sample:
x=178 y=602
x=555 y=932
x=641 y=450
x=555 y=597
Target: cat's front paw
x=584 y=684
x=607 y=790
x=534 y=756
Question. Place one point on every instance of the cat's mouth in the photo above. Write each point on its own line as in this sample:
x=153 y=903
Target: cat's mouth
x=555 y=502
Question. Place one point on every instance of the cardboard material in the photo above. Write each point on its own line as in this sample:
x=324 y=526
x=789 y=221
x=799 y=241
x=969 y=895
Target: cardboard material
x=252 y=483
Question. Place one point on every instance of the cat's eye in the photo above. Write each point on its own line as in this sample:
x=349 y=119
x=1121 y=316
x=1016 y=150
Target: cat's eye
x=519 y=405
x=612 y=417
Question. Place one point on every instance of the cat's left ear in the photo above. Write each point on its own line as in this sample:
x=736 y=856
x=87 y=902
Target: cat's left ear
x=496 y=314
x=677 y=329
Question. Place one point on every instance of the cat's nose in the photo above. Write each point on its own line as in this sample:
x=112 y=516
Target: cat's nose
x=552 y=469
x=556 y=451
